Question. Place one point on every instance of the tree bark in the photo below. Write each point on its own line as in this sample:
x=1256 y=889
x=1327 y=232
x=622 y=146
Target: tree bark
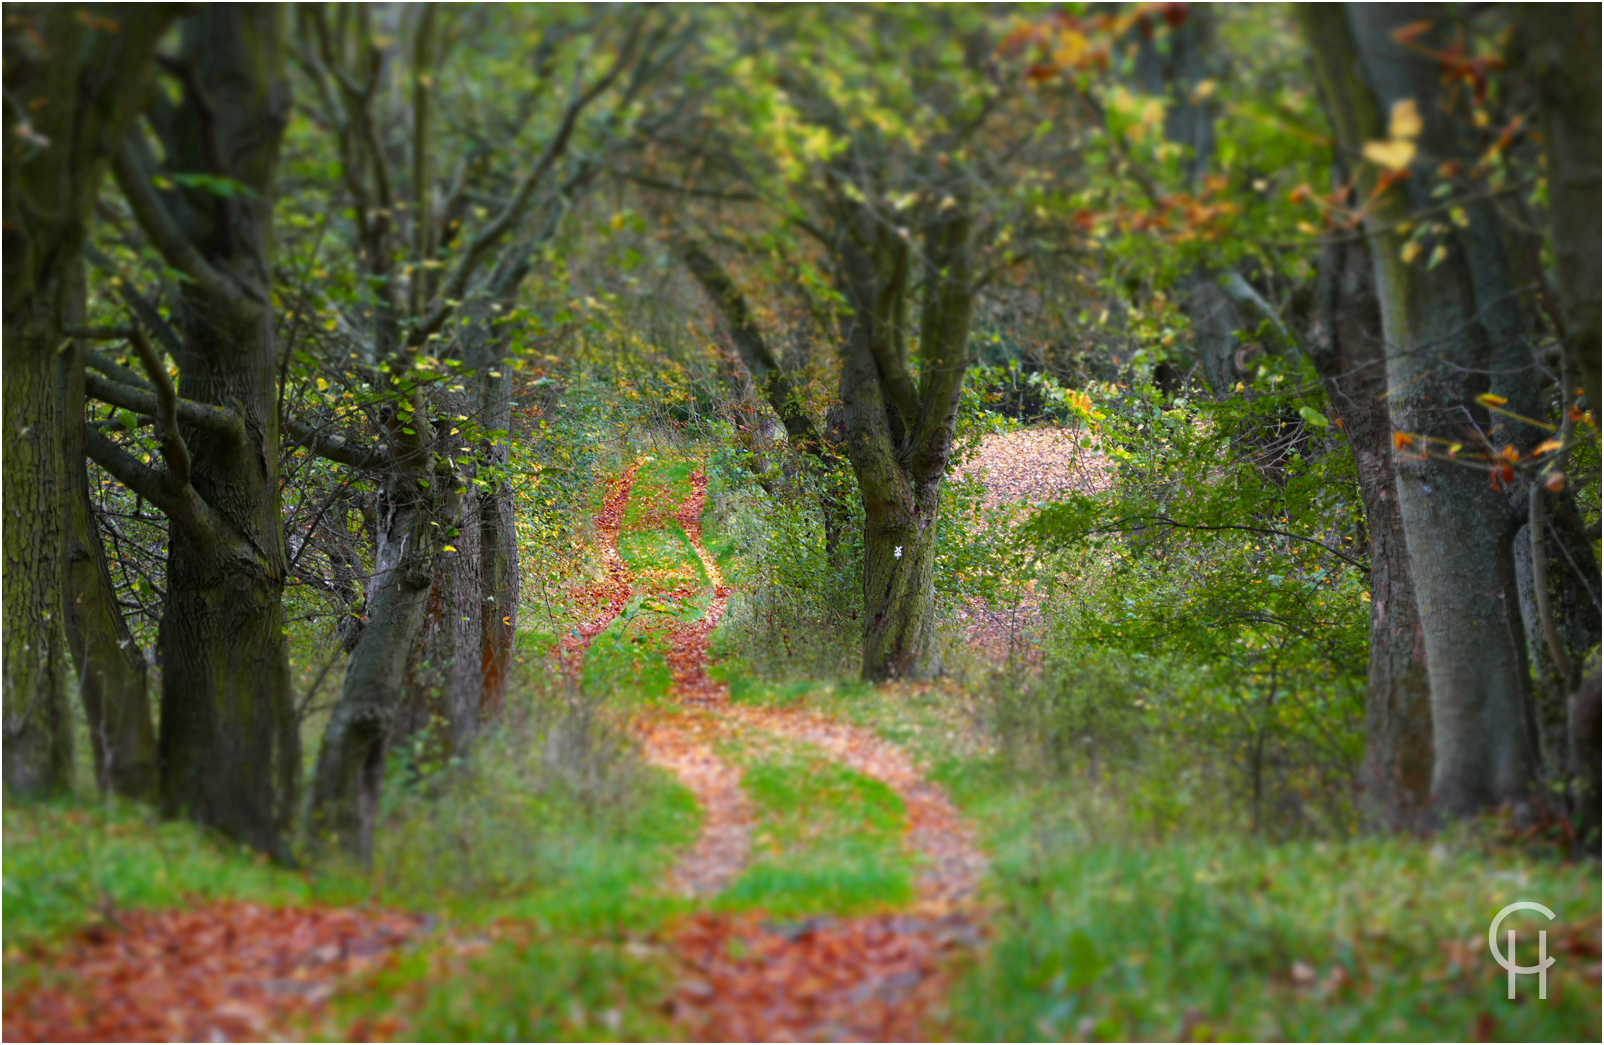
x=898 y=436
x=350 y=765
x=72 y=87
x=112 y=681
x=1562 y=51
x=1453 y=331
x=1350 y=353
x=229 y=746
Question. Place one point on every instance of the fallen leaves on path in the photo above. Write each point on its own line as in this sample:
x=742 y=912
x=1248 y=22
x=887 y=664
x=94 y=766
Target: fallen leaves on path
x=223 y=972
x=687 y=651
x=607 y=598
x=953 y=863
x=1022 y=468
x=683 y=745
x=880 y=978
x=876 y=978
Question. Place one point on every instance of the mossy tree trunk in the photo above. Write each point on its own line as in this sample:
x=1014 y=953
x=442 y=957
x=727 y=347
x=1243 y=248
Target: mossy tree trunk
x=112 y=673
x=74 y=78
x=1561 y=45
x=1348 y=349
x=899 y=434
x=229 y=748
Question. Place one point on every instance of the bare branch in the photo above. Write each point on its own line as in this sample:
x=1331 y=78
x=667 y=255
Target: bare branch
x=174 y=452
x=485 y=241
x=153 y=484
x=114 y=370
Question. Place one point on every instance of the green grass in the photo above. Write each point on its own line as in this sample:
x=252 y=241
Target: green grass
x=826 y=840
x=661 y=486
x=1382 y=939
x=626 y=663
x=664 y=551
x=67 y=866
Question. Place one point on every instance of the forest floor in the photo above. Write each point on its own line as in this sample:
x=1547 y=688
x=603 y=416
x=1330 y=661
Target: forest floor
x=880 y=971
x=835 y=863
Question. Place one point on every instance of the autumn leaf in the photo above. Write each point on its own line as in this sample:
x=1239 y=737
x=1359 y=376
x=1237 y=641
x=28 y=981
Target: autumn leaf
x=1491 y=399
x=1405 y=122
x=1395 y=155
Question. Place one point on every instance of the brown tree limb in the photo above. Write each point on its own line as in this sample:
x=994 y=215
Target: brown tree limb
x=334 y=447
x=162 y=231
x=174 y=452
x=143 y=400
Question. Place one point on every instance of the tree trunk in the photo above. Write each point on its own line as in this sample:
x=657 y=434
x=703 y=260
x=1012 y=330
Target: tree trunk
x=37 y=719
x=71 y=90
x=898 y=437
x=1350 y=353
x=229 y=745
x=1561 y=44
x=112 y=680
x=350 y=765
x=1452 y=336
x=899 y=599
x=485 y=354
x=1571 y=579
x=447 y=680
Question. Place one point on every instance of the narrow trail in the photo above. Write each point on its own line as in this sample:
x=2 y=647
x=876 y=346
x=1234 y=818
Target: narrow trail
x=879 y=977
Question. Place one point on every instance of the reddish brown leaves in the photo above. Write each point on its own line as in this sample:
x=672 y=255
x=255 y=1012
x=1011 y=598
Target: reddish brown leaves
x=687 y=652
x=607 y=598
x=867 y=979
x=220 y=973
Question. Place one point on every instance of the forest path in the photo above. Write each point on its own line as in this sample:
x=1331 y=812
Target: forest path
x=755 y=978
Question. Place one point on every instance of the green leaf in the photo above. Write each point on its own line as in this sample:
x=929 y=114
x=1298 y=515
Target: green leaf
x=1314 y=417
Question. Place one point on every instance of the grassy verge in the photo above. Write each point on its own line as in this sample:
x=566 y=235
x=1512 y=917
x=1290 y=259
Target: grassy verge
x=1222 y=937
x=70 y=866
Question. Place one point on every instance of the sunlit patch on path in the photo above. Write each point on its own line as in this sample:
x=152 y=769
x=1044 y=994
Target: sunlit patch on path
x=225 y=972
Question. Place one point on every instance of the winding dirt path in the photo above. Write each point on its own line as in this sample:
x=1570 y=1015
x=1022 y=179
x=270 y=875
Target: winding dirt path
x=881 y=977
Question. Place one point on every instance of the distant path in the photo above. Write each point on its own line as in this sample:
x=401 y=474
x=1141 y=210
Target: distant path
x=1021 y=468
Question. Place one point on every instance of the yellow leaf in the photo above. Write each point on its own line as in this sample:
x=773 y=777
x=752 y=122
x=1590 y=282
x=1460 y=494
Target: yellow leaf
x=1394 y=155
x=322 y=384
x=1405 y=120
x=1410 y=252
x=1202 y=91
x=1491 y=399
x=449 y=548
x=1547 y=446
